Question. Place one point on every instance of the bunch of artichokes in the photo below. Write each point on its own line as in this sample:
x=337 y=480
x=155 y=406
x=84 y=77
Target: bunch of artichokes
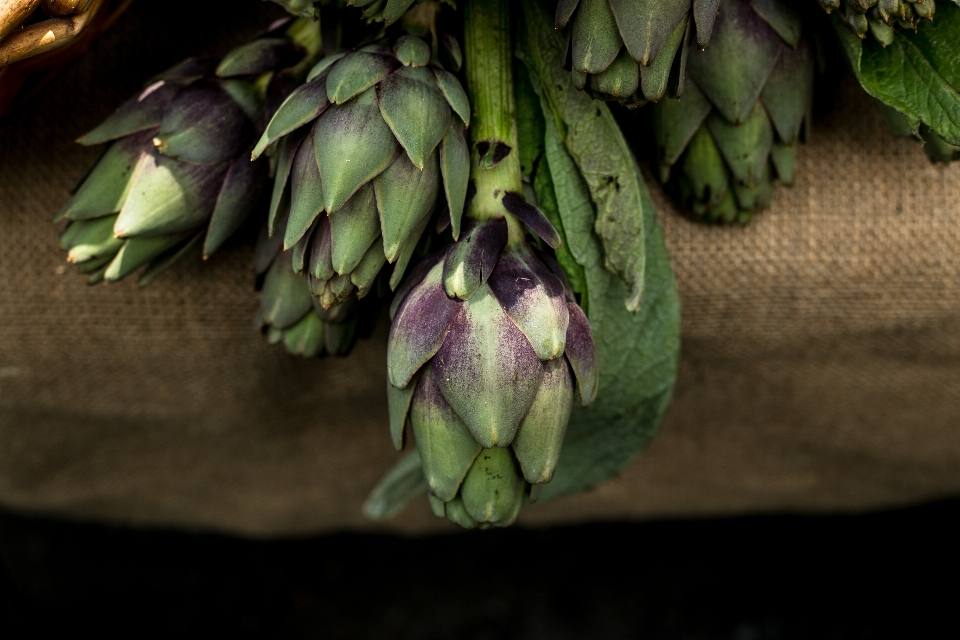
x=392 y=183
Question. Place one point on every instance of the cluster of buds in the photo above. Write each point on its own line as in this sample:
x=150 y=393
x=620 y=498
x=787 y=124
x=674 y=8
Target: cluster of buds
x=880 y=18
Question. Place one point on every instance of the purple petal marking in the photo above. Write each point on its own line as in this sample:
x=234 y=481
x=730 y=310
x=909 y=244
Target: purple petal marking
x=487 y=370
x=471 y=260
x=143 y=111
x=321 y=251
x=168 y=196
x=533 y=298
x=557 y=270
x=419 y=328
x=413 y=278
x=204 y=124
x=490 y=240
x=533 y=217
x=582 y=354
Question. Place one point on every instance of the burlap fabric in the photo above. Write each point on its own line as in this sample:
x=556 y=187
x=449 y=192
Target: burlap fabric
x=820 y=366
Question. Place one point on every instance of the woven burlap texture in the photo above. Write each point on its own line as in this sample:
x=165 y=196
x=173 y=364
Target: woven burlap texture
x=820 y=367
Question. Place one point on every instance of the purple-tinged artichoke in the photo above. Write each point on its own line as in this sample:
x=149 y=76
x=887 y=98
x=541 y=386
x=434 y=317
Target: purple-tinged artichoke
x=177 y=174
x=485 y=345
x=288 y=313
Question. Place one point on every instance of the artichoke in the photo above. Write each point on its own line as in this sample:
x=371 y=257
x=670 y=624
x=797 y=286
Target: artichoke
x=881 y=18
x=178 y=174
x=371 y=141
x=486 y=342
x=289 y=314
x=746 y=101
x=626 y=50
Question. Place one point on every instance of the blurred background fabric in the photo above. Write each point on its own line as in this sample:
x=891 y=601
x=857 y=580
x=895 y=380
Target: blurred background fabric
x=819 y=371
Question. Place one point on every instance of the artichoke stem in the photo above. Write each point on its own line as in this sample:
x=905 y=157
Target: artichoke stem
x=495 y=161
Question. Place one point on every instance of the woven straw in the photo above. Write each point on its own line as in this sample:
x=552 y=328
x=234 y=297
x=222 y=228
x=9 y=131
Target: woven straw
x=820 y=368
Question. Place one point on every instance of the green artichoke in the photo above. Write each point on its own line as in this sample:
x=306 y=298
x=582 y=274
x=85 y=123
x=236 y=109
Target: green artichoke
x=486 y=342
x=371 y=141
x=746 y=101
x=626 y=50
x=881 y=18
x=289 y=314
x=178 y=175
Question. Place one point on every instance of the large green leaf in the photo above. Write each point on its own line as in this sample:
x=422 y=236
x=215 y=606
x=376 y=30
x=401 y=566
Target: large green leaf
x=596 y=144
x=637 y=353
x=918 y=74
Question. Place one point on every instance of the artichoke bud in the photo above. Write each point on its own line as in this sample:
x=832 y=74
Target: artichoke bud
x=177 y=175
x=746 y=103
x=628 y=51
x=486 y=346
x=368 y=148
x=287 y=312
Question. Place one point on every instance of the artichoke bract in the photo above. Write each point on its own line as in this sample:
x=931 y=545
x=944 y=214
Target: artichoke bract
x=177 y=174
x=365 y=150
x=486 y=344
x=626 y=50
x=881 y=18
x=747 y=99
x=288 y=313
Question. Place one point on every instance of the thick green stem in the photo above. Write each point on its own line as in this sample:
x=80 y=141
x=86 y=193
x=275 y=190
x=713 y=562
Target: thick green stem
x=493 y=125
